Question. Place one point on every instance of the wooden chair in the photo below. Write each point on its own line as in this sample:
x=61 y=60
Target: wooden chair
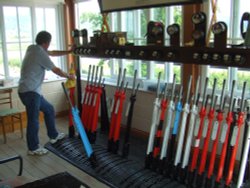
x=16 y=180
x=7 y=111
x=13 y=158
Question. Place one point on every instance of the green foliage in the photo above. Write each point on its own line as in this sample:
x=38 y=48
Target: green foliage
x=130 y=69
x=94 y=19
x=160 y=14
x=220 y=76
x=177 y=72
x=144 y=70
x=242 y=77
x=157 y=71
x=101 y=62
x=15 y=63
x=178 y=15
x=143 y=22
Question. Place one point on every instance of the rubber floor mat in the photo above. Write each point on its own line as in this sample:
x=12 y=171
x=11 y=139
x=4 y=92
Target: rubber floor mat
x=60 y=180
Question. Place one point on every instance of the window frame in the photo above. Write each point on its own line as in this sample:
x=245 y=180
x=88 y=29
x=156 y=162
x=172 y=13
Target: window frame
x=116 y=24
x=151 y=64
x=60 y=44
x=232 y=72
x=232 y=39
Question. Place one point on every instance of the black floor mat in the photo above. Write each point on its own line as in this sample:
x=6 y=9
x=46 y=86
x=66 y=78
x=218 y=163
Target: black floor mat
x=61 y=180
x=114 y=170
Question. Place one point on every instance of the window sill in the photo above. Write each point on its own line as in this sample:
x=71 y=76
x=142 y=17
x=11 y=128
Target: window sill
x=53 y=79
x=13 y=83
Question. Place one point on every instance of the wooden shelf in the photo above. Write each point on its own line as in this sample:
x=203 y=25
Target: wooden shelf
x=227 y=57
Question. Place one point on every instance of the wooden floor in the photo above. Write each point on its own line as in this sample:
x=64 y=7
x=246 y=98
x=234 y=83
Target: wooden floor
x=37 y=167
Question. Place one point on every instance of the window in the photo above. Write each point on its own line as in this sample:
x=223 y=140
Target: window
x=230 y=12
x=87 y=16
x=19 y=26
x=133 y=22
x=46 y=19
x=1 y=58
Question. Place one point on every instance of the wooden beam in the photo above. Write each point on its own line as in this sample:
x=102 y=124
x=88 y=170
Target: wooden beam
x=189 y=68
x=69 y=18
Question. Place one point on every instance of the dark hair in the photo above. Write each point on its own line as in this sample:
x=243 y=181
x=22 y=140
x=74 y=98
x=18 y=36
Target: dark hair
x=43 y=37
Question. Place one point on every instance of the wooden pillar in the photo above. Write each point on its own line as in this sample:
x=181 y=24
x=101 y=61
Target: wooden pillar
x=69 y=10
x=189 y=69
x=70 y=26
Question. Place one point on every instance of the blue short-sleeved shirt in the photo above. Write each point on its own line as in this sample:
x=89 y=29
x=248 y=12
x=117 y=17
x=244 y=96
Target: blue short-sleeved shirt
x=35 y=62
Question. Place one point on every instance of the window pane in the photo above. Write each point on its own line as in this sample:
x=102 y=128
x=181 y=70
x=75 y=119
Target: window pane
x=129 y=65
x=10 y=23
x=14 y=61
x=159 y=67
x=223 y=13
x=219 y=74
x=24 y=48
x=128 y=24
x=116 y=66
x=90 y=17
x=106 y=64
x=96 y=62
x=40 y=24
x=144 y=69
x=50 y=22
x=143 y=24
x=242 y=8
x=1 y=59
x=159 y=15
x=24 y=17
x=242 y=76
x=177 y=14
x=177 y=72
x=115 y=25
x=46 y=20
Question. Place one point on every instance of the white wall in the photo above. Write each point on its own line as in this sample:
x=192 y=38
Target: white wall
x=142 y=109
x=52 y=91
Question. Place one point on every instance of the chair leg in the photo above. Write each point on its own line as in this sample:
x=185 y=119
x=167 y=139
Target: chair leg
x=21 y=125
x=12 y=124
x=4 y=133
